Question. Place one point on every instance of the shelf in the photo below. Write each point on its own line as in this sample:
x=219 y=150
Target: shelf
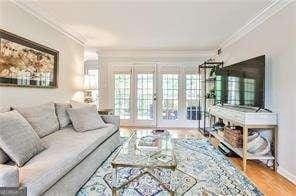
x=239 y=151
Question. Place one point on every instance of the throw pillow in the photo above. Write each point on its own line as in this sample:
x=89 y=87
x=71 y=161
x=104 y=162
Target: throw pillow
x=62 y=114
x=17 y=138
x=42 y=118
x=85 y=118
x=3 y=157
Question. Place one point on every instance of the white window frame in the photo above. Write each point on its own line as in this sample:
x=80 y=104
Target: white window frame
x=123 y=70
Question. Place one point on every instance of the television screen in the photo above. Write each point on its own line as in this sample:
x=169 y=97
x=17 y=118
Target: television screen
x=242 y=84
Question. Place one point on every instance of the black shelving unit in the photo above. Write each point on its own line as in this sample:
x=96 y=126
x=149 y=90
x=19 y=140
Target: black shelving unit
x=204 y=81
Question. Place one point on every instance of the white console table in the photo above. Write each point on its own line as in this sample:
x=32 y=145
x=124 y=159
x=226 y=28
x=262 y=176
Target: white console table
x=247 y=118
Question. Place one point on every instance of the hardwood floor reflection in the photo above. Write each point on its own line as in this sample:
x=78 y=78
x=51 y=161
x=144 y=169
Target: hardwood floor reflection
x=268 y=181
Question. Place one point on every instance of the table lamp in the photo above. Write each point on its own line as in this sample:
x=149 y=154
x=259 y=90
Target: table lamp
x=89 y=85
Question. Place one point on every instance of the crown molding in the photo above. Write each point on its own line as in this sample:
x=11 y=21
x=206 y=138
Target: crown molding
x=171 y=56
x=271 y=9
x=54 y=24
x=144 y=53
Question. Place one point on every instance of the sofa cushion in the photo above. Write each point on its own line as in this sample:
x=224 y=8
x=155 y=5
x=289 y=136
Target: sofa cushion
x=64 y=149
x=42 y=118
x=9 y=176
x=5 y=109
x=63 y=117
x=85 y=118
x=17 y=138
x=3 y=156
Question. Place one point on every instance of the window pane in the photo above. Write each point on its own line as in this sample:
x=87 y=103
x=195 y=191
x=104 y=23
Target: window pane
x=170 y=88
x=249 y=91
x=192 y=92
x=233 y=90
x=122 y=95
x=145 y=96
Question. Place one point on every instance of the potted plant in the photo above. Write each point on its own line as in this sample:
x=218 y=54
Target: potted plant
x=214 y=70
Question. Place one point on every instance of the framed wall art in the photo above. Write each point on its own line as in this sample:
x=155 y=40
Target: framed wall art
x=24 y=63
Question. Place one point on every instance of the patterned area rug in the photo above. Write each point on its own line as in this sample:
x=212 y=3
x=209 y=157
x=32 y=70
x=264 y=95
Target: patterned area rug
x=201 y=170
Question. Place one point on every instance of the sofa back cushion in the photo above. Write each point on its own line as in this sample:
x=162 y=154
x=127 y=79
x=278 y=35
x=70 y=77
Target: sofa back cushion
x=63 y=117
x=5 y=109
x=3 y=156
x=17 y=138
x=85 y=118
x=42 y=118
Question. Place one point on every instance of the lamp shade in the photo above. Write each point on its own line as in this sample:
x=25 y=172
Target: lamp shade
x=90 y=82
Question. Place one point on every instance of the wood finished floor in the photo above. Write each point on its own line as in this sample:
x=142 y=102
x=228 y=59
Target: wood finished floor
x=268 y=181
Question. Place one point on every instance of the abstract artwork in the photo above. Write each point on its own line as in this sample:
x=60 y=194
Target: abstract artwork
x=24 y=63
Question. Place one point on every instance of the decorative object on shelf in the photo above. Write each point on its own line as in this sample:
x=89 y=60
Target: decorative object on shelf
x=219 y=125
x=234 y=135
x=214 y=70
x=211 y=94
x=24 y=63
x=106 y=111
x=89 y=85
x=258 y=145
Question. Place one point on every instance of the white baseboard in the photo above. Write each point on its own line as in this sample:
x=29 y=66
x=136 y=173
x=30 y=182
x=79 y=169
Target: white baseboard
x=287 y=174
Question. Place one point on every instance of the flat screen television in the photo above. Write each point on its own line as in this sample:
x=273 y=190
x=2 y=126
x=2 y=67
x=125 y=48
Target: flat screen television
x=242 y=84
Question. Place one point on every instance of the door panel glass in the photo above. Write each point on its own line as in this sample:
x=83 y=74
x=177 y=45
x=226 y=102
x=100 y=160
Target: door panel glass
x=122 y=95
x=170 y=89
x=145 y=96
x=192 y=97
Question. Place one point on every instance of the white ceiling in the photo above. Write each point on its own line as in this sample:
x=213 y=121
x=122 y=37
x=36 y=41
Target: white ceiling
x=177 y=25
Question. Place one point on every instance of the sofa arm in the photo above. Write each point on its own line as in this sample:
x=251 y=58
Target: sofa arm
x=9 y=176
x=111 y=119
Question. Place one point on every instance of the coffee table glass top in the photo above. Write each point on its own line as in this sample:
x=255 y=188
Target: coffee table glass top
x=146 y=149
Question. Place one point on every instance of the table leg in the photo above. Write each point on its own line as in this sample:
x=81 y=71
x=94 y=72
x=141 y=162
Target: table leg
x=114 y=181
x=245 y=147
x=275 y=138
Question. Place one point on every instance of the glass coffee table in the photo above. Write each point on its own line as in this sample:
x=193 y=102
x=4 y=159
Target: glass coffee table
x=135 y=155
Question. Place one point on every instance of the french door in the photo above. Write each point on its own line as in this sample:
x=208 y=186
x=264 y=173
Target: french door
x=174 y=103
x=134 y=95
x=145 y=97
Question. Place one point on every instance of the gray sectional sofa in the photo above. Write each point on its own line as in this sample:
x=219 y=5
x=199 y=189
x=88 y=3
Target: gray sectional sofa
x=69 y=160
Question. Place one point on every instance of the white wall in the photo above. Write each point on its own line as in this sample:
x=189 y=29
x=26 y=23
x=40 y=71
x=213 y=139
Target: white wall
x=276 y=38
x=71 y=56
